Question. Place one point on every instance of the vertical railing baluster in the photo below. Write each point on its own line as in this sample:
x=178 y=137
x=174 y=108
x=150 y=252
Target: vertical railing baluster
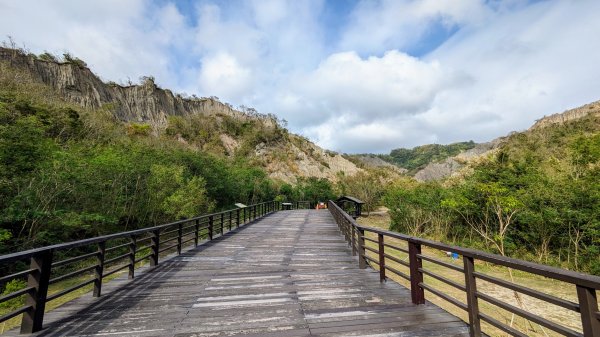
x=155 y=247
x=347 y=232
x=39 y=279
x=416 y=276
x=361 y=249
x=353 y=240
x=210 y=227
x=132 y=252
x=179 y=237
x=588 y=304
x=222 y=223
x=237 y=218
x=230 y=221
x=472 y=303
x=99 y=270
x=196 y=232
x=381 y=252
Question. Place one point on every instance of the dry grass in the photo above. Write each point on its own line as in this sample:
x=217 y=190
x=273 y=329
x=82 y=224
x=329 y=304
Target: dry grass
x=532 y=305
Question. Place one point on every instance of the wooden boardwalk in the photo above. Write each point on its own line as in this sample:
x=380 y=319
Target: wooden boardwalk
x=288 y=274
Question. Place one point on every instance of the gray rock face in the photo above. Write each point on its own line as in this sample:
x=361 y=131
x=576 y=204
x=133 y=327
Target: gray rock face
x=145 y=103
x=573 y=114
x=449 y=166
x=437 y=171
x=373 y=161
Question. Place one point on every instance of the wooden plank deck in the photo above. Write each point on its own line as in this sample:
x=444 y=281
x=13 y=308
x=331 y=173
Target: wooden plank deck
x=288 y=274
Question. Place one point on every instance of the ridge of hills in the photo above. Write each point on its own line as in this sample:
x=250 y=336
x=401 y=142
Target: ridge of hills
x=436 y=162
x=204 y=124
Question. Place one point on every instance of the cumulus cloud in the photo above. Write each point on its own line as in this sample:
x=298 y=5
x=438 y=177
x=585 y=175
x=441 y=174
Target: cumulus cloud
x=363 y=90
x=223 y=75
x=377 y=26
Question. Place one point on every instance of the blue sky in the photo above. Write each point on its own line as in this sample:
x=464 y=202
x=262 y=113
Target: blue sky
x=353 y=76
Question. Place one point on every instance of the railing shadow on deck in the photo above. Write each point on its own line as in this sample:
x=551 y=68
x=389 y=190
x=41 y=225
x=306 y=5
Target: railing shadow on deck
x=585 y=285
x=112 y=254
x=93 y=317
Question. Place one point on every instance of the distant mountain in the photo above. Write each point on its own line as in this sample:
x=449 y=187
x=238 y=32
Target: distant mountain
x=204 y=124
x=436 y=162
x=453 y=165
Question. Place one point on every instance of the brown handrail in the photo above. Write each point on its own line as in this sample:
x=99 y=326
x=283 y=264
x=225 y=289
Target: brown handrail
x=42 y=263
x=585 y=284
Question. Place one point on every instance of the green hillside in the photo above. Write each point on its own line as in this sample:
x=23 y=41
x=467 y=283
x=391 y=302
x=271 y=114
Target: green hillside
x=418 y=157
x=537 y=198
x=68 y=173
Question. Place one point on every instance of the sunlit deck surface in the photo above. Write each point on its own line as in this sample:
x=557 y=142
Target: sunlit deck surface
x=288 y=274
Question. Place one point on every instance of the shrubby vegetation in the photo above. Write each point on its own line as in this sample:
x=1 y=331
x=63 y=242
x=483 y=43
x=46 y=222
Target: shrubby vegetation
x=537 y=198
x=67 y=173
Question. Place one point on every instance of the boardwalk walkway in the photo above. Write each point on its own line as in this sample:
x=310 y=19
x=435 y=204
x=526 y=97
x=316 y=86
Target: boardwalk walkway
x=288 y=274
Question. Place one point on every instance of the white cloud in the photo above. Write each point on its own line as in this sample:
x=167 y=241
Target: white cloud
x=397 y=24
x=539 y=60
x=364 y=90
x=224 y=76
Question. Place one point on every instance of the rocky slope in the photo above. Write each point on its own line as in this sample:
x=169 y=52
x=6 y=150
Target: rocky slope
x=146 y=103
x=308 y=160
x=449 y=166
x=573 y=114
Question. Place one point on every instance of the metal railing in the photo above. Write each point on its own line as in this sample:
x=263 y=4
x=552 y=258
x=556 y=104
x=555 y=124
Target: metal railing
x=106 y=255
x=585 y=285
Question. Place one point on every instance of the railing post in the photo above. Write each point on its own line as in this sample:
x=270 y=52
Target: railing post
x=132 y=251
x=588 y=304
x=361 y=249
x=196 y=232
x=230 y=221
x=353 y=241
x=210 y=227
x=381 y=252
x=237 y=218
x=416 y=277
x=222 y=223
x=348 y=238
x=179 y=237
x=155 y=247
x=39 y=279
x=472 y=304
x=99 y=269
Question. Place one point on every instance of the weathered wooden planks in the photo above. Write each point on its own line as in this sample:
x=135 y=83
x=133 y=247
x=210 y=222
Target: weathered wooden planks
x=289 y=274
